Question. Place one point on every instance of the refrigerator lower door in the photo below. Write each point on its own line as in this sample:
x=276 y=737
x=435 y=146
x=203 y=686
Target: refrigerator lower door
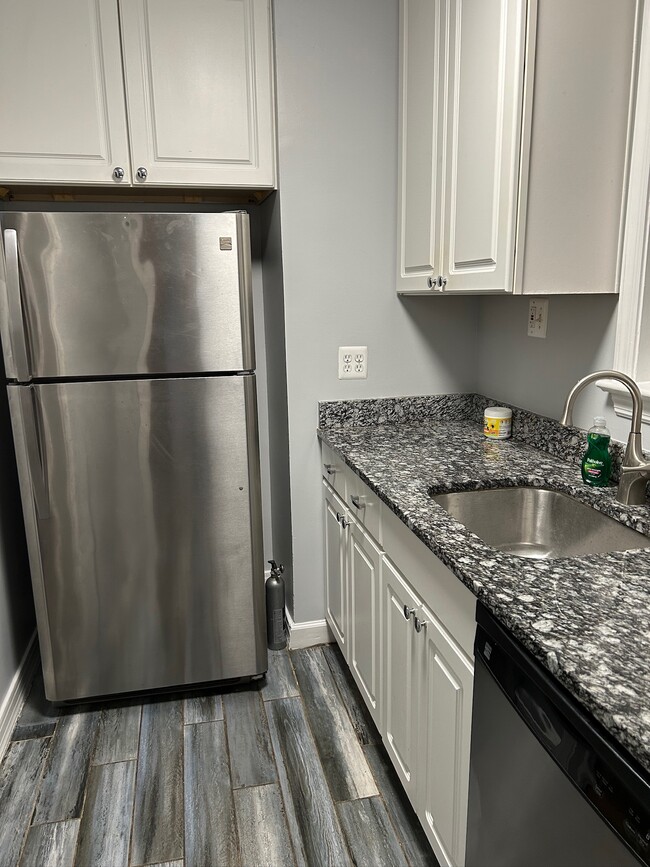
x=142 y=507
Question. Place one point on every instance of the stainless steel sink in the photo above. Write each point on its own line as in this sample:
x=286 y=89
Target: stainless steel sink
x=533 y=522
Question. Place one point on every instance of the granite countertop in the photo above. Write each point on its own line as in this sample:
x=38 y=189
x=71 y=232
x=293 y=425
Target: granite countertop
x=587 y=619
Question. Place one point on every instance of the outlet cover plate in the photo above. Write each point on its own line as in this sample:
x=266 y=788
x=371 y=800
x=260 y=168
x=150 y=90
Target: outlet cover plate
x=537 y=317
x=353 y=362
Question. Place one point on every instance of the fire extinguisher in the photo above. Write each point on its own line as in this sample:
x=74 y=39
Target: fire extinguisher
x=276 y=634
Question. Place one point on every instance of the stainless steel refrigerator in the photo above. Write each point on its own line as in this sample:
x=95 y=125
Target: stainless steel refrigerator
x=128 y=348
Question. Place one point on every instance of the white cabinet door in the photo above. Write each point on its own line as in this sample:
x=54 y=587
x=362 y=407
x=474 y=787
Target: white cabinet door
x=461 y=92
x=336 y=567
x=199 y=91
x=574 y=192
x=61 y=93
x=399 y=661
x=485 y=68
x=364 y=582
x=444 y=741
x=420 y=144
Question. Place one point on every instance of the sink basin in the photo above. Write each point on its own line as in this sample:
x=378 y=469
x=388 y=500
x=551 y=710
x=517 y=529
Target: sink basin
x=536 y=523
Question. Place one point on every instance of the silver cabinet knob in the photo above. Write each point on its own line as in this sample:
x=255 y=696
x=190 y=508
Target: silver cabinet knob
x=408 y=612
x=118 y=173
x=343 y=521
x=141 y=173
x=438 y=282
x=419 y=623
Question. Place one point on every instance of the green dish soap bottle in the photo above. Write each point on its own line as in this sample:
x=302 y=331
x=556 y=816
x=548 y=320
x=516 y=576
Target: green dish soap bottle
x=597 y=462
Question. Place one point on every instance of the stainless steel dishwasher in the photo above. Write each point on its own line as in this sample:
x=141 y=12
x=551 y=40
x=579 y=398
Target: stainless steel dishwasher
x=548 y=786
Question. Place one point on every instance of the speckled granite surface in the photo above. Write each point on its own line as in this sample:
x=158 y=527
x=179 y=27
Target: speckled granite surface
x=587 y=619
x=394 y=410
x=535 y=430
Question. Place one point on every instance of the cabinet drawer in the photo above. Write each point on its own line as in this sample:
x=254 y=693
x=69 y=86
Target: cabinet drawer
x=333 y=469
x=363 y=503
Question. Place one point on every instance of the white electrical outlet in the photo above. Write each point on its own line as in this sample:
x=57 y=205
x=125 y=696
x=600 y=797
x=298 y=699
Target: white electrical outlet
x=353 y=362
x=537 y=317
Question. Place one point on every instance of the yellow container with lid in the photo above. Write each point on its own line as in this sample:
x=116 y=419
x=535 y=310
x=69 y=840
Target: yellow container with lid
x=497 y=422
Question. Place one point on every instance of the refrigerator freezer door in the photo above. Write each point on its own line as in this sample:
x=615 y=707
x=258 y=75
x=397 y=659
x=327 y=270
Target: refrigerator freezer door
x=145 y=536
x=129 y=294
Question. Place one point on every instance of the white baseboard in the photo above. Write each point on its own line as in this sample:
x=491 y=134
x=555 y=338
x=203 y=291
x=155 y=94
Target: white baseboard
x=308 y=633
x=14 y=699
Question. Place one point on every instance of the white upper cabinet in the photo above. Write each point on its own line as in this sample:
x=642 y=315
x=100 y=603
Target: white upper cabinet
x=460 y=128
x=579 y=102
x=61 y=93
x=193 y=77
x=482 y=144
x=421 y=76
x=199 y=91
x=515 y=119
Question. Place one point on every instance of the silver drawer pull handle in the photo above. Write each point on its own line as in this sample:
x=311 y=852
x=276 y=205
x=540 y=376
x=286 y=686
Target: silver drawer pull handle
x=357 y=501
x=419 y=623
x=330 y=469
x=408 y=612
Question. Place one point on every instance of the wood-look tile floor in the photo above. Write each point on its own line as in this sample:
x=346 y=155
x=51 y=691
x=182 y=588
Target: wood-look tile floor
x=288 y=771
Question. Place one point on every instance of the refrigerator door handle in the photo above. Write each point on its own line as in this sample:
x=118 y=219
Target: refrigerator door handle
x=15 y=327
x=36 y=455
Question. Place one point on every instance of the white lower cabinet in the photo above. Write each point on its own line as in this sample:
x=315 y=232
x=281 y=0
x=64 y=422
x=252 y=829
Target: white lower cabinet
x=352 y=594
x=445 y=718
x=364 y=589
x=400 y=657
x=405 y=625
x=335 y=567
x=427 y=694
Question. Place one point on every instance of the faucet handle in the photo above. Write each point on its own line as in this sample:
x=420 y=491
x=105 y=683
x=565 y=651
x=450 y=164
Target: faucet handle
x=633 y=482
x=642 y=469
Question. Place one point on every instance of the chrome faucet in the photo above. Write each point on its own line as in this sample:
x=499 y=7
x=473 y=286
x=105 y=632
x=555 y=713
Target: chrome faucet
x=635 y=472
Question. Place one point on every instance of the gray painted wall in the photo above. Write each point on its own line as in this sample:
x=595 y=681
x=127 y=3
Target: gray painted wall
x=278 y=422
x=337 y=121
x=538 y=374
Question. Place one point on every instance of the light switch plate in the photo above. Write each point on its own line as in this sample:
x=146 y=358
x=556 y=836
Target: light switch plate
x=537 y=317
